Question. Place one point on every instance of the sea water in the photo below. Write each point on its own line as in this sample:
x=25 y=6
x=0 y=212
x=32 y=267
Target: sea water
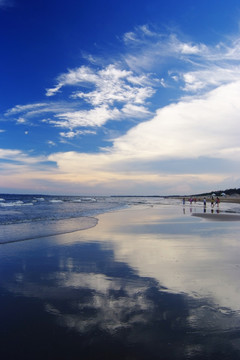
x=24 y=217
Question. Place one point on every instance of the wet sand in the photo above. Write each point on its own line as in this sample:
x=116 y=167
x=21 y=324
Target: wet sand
x=219 y=217
x=144 y=283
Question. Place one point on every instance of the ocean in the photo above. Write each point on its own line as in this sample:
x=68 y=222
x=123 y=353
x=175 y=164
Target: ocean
x=24 y=217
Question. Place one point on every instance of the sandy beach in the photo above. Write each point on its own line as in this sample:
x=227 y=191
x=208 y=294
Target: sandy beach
x=219 y=217
x=144 y=281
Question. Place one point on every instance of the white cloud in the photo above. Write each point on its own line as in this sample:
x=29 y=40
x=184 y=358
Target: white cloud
x=153 y=52
x=72 y=134
x=9 y=154
x=111 y=85
x=74 y=77
x=25 y=108
x=201 y=126
x=34 y=111
x=112 y=93
x=21 y=157
x=203 y=67
x=51 y=143
x=131 y=110
x=21 y=120
x=86 y=118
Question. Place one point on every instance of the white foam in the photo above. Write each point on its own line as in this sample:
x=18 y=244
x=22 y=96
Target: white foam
x=88 y=199
x=15 y=203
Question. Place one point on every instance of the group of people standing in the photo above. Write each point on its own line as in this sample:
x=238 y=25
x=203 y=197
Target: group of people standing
x=213 y=201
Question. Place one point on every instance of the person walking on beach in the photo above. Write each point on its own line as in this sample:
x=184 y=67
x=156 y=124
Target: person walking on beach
x=183 y=201
x=212 y=201
x=204 y=202
x=218 y=201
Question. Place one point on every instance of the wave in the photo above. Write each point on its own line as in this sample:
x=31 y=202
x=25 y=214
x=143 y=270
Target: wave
x=88 y=199
x=15 y=203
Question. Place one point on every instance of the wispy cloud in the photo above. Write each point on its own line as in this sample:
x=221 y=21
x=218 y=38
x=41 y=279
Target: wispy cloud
x=109 y=93
x=32 y=111
x=18 y=156
x=202 y=66
x=112 y=93
x=71 y=134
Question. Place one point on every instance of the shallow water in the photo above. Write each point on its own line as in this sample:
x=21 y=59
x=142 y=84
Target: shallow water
x=144 y=283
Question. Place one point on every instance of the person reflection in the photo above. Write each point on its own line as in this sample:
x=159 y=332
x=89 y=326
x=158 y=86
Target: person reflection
x=204 y=202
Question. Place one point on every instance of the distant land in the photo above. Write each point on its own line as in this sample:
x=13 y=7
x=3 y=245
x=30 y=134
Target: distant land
x=228 y=192
x=220 y=192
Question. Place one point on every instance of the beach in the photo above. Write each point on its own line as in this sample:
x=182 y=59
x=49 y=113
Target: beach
x=153 y=280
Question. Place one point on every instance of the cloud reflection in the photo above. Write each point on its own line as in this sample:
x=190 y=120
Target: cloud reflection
x=144 y=284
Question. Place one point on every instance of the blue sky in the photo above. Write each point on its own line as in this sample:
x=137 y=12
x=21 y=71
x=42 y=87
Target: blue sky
x=110 y=97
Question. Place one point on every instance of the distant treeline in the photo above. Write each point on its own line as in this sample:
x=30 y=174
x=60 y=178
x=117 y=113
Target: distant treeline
x=220 y=192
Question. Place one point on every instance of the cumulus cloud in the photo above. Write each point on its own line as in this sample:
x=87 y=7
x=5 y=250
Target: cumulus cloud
x=203 y=126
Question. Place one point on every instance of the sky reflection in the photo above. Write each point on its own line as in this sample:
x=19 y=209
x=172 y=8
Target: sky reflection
x=137 y=290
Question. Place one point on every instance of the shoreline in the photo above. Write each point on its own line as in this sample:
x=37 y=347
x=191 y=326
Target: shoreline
x=15 y=233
